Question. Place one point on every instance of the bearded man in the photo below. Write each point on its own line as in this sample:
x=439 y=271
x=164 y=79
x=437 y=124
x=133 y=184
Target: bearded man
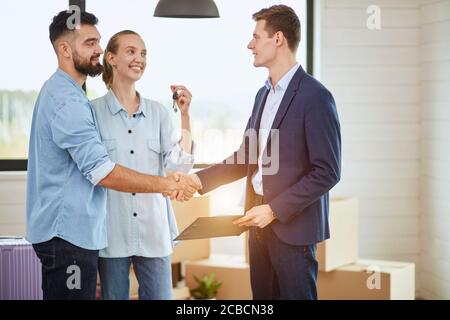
x=69 y=167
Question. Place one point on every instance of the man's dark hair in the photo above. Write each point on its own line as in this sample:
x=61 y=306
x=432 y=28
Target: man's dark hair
x=59 y=27
x=281 y=18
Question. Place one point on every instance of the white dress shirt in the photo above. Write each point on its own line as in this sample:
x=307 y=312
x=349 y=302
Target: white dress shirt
x=270 y=110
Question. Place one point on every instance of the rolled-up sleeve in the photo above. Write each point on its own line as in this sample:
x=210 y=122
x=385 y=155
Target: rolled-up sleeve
x=177 y=159
x=73 y=129
x=101 y=172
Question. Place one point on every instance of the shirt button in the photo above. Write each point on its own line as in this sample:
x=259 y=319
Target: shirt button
x=135 y=214
x=131 y=151
x=129 y=131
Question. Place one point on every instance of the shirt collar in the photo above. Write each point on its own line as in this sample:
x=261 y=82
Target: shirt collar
x=66 y=76
x=284 y=81
x=115 y=106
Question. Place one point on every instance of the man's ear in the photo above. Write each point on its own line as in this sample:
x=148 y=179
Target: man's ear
x=64 y=49
x=279 y=38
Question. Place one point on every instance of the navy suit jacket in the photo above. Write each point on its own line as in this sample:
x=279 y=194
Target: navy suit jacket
x=309 y=161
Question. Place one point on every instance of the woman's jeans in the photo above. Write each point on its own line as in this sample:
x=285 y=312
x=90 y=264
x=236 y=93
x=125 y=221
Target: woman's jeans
x=154 y=276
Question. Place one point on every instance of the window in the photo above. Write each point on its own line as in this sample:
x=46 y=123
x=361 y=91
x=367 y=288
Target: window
x=26 y=61
x=209 y=56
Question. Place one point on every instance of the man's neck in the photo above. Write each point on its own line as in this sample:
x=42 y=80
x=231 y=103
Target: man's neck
x=77 y=76
x=280 y=68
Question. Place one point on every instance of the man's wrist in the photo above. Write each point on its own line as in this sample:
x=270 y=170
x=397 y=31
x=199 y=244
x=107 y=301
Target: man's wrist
x=272 y=214
x=198 y=181
x=167 y=185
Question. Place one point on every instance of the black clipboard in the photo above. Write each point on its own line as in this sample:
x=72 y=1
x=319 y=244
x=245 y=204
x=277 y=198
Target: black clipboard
x=212 y=227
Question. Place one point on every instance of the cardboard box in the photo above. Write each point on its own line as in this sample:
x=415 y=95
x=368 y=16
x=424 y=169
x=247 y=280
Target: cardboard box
x=182 y=293
x=176 y=274
x=233 y=271
x=369 y=280
x=342 y=247
x=186 y=213
x=134 y=286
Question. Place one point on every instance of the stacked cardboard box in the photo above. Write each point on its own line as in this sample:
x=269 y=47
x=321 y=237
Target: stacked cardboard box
x=186 y=213
x=181 y=293
x=368 y=280
x=342 y=248
x=232 y=271
x=343 y=276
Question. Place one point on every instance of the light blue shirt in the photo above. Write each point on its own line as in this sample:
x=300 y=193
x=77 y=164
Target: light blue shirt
x=271 y=107
x=140 y=224
x=66 y=161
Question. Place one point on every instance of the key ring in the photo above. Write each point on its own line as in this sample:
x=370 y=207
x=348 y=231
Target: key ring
x=174 y=97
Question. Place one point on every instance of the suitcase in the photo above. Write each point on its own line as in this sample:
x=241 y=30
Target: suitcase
x=20 y=270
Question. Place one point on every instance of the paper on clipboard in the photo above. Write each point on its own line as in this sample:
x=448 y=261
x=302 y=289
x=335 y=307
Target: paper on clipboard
x=212 y=227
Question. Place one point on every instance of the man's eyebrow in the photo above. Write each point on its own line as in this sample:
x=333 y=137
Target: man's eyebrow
x=92 y=39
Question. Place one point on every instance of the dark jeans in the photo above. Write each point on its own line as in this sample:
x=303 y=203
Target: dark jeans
x=279 y=270
x=68 y=272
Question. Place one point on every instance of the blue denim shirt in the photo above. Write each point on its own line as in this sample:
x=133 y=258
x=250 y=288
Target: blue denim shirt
x=140 y=224
x=66 y=161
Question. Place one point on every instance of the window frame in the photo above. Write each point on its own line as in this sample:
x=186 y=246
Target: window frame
x=21 y=164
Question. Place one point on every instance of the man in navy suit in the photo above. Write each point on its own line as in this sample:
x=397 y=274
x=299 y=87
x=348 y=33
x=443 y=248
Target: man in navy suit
x=297 y=161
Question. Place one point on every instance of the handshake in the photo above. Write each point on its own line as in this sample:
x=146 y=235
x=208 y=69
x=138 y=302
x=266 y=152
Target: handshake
x=181 y=187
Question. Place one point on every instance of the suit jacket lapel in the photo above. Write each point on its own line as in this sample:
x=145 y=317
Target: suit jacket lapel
x=291 y=91
x=259 y=110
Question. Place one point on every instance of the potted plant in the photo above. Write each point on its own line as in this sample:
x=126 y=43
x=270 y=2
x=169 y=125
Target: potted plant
x=207 y=287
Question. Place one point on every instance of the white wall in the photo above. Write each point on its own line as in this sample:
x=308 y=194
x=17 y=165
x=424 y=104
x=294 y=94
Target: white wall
x=374 y=77
x=12 y=203
x=435 y=144
x=391 y=88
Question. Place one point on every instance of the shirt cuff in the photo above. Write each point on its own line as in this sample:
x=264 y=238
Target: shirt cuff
x=179 y=157
x=187 y=157
x=99 y=173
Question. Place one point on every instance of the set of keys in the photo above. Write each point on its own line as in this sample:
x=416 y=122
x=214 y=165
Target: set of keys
x=175 y=97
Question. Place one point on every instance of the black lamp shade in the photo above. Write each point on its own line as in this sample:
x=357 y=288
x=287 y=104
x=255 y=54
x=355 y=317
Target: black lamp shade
x=186 y=9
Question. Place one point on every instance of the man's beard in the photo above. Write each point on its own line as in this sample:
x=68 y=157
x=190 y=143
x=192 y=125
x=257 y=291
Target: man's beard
x=86 y=67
